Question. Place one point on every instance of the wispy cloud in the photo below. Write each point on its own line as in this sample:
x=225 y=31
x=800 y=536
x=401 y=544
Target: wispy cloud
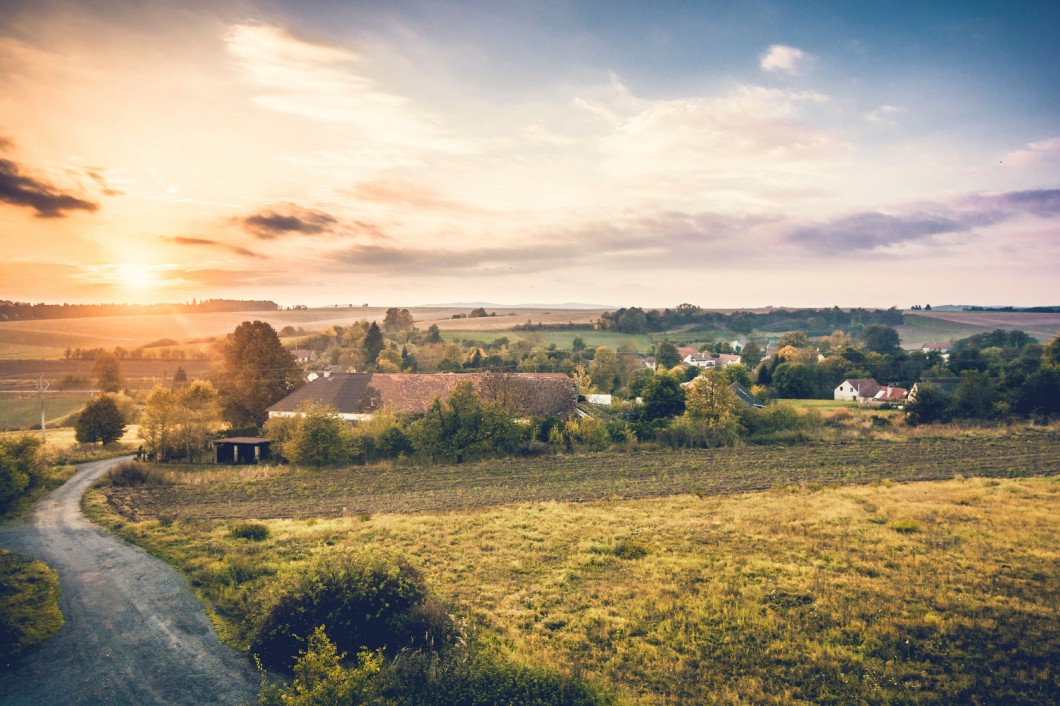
x=48 y=201
x=1036 y=152
x=293 y=220
x=885 y=114
x=206 y=242
x=321 y=82
x=781 y=58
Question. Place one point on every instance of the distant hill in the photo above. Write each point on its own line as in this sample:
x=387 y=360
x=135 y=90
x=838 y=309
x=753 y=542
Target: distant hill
x=24 y=311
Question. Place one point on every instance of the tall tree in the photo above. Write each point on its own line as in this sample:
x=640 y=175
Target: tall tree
x=257 y=371
x=107 y=372
x=666 y=355
x=373 y=343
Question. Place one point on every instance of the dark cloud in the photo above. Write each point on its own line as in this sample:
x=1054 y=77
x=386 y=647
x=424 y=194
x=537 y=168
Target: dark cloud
x=268 y=225
x=1039 y=202
x=865 y=232
x=20 y=190
x=181 y=240
x=870 y=231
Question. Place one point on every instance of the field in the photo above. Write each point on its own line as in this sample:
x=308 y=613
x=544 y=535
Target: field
x=934 y=326
x=281 y=492
x=666 y=579
x=49 y=338
x=25 y=413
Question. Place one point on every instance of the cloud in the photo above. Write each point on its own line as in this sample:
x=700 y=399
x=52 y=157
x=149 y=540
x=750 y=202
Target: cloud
x=875 y=232
x=20 y=190
x=1036 y=152
x=884 y=114
x=320 y=82
x=408 y=195
x=268 y=225
x=782 y=58
x=205 y=242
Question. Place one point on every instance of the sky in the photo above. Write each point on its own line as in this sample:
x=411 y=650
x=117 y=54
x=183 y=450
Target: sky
x=620 y=153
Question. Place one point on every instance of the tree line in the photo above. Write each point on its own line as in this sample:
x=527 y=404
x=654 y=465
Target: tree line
x=25 y=311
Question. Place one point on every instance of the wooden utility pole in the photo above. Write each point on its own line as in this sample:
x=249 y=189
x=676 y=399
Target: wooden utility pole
x=41 y=387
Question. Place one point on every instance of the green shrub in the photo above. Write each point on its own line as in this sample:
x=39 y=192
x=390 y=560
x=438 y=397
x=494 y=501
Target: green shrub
x=29 y=604
x=254 y=531
x=21 y=467
x=320 y=679
x=906 y=526
x=474 y=676
x=364 y=601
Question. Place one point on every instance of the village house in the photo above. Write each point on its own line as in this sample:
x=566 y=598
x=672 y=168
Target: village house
x=357 y=397
x=857 y=388
x=706 y=360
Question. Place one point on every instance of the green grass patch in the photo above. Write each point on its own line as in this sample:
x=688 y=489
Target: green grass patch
x=25 y=413
x=29 y=605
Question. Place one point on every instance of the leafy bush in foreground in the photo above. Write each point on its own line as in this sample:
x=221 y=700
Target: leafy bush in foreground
x=365 y=602
x=29 y=604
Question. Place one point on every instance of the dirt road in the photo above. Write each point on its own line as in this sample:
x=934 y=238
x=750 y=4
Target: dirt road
x=134 y=632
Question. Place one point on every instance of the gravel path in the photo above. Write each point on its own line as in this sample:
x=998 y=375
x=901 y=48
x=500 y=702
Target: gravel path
x=134 y=632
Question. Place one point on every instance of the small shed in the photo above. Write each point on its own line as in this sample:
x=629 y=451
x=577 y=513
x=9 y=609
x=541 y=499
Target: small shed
x=241 y=449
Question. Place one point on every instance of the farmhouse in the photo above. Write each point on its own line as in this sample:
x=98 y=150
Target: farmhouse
x=358 y=396
x=857 y=388
x=705 y=360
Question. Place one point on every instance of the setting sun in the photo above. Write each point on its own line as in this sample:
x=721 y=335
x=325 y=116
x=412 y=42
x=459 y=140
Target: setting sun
x=136 y=276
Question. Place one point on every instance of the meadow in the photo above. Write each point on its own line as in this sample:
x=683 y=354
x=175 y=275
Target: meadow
x=808 y=592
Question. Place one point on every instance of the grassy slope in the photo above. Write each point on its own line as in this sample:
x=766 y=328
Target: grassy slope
x=938 y=592
x=24 y=413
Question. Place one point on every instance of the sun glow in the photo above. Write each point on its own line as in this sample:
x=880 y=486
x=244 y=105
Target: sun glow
x=136 y=276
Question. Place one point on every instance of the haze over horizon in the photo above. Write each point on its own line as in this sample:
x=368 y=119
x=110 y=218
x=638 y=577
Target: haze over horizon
x=766 y=153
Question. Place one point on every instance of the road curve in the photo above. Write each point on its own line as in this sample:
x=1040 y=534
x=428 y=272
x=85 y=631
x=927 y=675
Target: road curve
x=134 y=632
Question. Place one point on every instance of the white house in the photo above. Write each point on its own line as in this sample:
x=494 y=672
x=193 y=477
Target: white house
x=853 y=389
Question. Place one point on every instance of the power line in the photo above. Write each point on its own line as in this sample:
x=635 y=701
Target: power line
x=42 y=386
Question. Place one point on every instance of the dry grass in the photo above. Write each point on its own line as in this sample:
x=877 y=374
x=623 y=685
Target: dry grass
x=797 y=595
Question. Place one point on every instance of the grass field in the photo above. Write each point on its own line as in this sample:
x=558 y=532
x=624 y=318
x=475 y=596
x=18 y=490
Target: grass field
x=934 y=326
x=670 y=582
x=24 y=413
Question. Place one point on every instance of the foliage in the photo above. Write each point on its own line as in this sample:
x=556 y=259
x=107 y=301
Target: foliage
x=802 y=381
x=588 y=432
x=320 y=679
x=107 y=372
x=931 y=404
x=373 y=343
x=319 y=438
x=366 y=600
x=101 y=421
x=816 y=322
x=464 y=427
x=252 y=531
x=132 y=473
x=663 y=398
x=21 y=467
x=475 y=675
x=180 y=422
x=666 y=355
x=881 y=339
x=29 y=604
x=256 y=372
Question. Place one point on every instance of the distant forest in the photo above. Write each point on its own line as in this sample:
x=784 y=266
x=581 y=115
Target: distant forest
x=1017 y=309
x=815 y=322
x=24 y=311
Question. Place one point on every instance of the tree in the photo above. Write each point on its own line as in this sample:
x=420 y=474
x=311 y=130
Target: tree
x=931 y=404
x=373 y=343
x=101 y=421
x=801 y=381
x=180 y=378
x=605 y=370
x=197 y=415
x=666 y=355
x=464 y=427
x=158 y=425
x=881 y=339
x=107 y=372
x=750 y=354
x=434 y=335
x=319 y=438
x=257 y=371
x=709 y=398
x=795 y=339
x=974 y=398
x=397 y=320
x=663 y=398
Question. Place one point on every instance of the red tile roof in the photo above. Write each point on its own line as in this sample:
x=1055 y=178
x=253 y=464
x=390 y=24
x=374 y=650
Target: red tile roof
x=534 y=394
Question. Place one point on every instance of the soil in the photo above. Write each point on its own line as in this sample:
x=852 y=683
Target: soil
x=134 y=632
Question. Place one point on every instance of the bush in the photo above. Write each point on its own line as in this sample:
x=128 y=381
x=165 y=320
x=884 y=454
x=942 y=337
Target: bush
x=21 y=467
x=321 y=680
x=132 y=473
x=474 y=676
x=365 y=602
x=29 y=604
x=254 y=531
